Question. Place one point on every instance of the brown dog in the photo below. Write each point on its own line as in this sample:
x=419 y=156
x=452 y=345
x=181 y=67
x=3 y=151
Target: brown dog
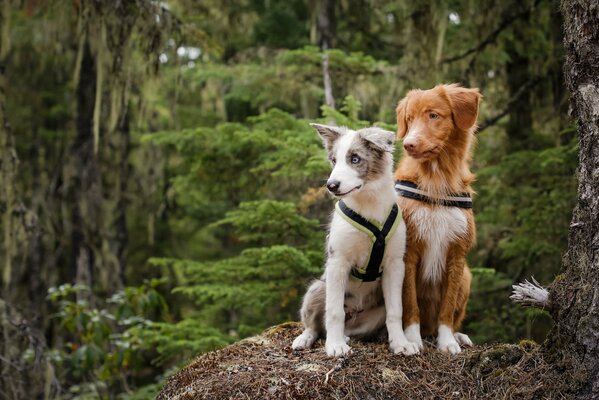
x=433 y=180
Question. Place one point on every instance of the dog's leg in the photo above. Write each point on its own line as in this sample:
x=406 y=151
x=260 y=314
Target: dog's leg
x=411 y=312
x=462 y=339
x=455 y=272
x=460 y=311
x=392 y=280
x=312 y=313
x=336 y=282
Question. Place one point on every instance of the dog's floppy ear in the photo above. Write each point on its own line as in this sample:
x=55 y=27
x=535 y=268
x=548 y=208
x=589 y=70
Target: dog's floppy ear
x=402 y=124
x=378 y=137
x=464 y=105
x=329 y=134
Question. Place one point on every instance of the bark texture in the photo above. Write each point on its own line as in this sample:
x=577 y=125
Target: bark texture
x=574 y=340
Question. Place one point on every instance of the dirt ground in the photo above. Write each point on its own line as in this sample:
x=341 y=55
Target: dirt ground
x=265 y=367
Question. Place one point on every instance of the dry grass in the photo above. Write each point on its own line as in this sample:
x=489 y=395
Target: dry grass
x=265 y=367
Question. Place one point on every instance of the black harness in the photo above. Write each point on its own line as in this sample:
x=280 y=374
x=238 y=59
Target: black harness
x=410 y=190
x=379 y=236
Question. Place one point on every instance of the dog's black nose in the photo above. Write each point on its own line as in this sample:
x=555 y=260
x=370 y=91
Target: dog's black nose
x=333 y=186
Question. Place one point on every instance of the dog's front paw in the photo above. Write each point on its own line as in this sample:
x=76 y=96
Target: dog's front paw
x=446 y=342
x=337 y=349
x=412 y=333
x=452 y=347
x=304 y=341
x=403 y=346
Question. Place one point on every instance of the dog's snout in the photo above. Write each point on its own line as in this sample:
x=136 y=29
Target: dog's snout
x=333 y=185
x=409 y=146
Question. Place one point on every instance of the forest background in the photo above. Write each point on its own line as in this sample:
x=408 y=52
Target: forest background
x=161 y=191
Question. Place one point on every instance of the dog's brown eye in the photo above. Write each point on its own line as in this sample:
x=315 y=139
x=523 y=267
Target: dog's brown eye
x=333 y=161
x=433 y=115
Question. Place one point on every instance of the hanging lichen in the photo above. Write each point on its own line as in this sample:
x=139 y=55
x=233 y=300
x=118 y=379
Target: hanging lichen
x=8 y=158
x=100 y=59
x=5 y=28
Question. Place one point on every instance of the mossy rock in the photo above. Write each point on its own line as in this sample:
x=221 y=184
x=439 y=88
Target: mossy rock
x=495 y=358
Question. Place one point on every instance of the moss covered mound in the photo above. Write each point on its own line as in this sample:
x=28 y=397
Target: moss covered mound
x=265 y=367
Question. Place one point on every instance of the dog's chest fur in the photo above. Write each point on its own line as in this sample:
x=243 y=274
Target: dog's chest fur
x=437 y=228
x=356 y=246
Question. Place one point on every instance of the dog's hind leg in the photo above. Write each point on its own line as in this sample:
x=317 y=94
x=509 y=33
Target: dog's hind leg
x=366 y=323
x=462 y=339
x=312 y=314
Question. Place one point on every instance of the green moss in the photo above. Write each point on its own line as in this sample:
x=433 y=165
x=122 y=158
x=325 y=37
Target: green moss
x=497 y=373
x=498 y=357
x=281 y=328
x=528 y=344
x=559 y=278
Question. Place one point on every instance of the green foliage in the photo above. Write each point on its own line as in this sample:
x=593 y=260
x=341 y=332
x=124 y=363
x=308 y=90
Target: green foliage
x=532 y=193
x=266 y=221
x=105 y=346
x=180 y=341
x=281 y=24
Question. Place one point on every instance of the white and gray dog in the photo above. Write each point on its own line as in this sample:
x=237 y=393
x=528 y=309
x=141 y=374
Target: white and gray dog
x=367 y=237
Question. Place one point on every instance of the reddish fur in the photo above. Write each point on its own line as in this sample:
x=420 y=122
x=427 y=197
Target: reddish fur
x=446 y=142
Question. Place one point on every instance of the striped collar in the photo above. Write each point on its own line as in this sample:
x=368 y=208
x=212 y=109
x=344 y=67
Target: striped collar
x=410 y=190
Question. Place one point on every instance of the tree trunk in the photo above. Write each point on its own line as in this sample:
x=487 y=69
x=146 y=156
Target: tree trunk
x=574 y=340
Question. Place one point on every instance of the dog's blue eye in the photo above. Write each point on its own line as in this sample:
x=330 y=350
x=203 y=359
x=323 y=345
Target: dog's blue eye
x=355 y=159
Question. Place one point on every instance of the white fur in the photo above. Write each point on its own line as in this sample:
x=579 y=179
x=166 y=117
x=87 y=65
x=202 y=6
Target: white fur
x=413 y=335
x=438 y=228
x=306 y=339
x=462 y=339
x=414 y=133
x=446 y=341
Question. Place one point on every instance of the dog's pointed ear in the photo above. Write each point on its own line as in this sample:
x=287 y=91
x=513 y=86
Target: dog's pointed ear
x=464 y=105
x=378 y=137
x=329 y=134
x=402 y=123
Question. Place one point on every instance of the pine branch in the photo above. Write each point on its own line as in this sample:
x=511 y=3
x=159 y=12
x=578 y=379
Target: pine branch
x=510 y=103
x=532 y=294
x=492 y=37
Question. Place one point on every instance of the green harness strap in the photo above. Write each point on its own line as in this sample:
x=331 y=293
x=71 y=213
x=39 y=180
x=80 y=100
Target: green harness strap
x=377 y=234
